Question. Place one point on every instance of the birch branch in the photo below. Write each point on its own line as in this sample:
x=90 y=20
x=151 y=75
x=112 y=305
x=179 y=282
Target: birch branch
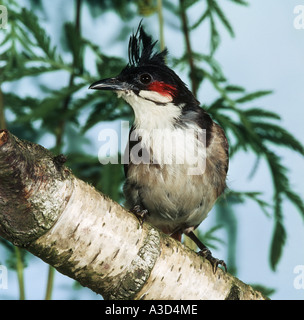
x=90 y=238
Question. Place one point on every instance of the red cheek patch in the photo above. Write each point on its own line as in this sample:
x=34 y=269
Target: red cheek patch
x=162 y=88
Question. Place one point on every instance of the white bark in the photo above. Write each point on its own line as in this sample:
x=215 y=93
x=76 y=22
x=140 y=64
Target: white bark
x=95 y=241
x=105 y=249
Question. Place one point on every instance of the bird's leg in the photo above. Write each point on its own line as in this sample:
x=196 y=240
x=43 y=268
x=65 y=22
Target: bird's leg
x=205 y=252
x=140 y=213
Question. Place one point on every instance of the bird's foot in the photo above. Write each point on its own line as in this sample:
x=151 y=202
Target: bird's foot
x=140 y=213
x=206 y=253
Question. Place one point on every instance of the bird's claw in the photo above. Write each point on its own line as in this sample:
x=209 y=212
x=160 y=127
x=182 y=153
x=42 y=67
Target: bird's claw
x=140 y=213
x=206 y=253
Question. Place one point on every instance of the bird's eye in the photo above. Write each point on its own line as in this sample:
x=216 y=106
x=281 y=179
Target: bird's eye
x=145 y=78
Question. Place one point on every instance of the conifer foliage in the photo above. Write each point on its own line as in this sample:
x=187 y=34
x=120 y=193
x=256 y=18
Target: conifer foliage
x=31 y=53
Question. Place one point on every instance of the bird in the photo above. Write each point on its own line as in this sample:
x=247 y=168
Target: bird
x=177 y=157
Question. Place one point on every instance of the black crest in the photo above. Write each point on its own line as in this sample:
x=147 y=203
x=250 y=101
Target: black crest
x=141 y=50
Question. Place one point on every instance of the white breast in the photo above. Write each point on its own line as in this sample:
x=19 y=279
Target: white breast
x=165 y=142
x=170 y=181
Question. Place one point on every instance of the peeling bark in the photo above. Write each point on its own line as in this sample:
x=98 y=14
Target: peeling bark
x=32 y=189
x=90 y=238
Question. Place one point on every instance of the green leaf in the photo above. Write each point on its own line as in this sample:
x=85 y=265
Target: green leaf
x=222 y=17
x=188 y=3
x=215 y=37
x=17 y=74
x=241 y=2
x=277 y=244
x=261 y=113
x=254 y=95
x=234 y=88
x=215 y=106
x=51 y=107
x=278 y=135
x=296 y=200
x=241 y=197
x=75 y=45
x=30 y=21
x=201 y=19
x=266 y=291
x=209 y=238
x=106 y=109
x=278 y=172
x=11 y=261
x=218 y=74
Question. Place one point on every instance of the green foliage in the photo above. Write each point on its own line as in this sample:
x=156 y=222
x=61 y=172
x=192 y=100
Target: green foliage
x=66 y=112
x=212 y=12
x=267 y=292
x=249 y=128
x=209 y=237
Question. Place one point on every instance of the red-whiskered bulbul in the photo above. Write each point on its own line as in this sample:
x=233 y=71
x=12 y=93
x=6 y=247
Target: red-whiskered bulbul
x=178 y=156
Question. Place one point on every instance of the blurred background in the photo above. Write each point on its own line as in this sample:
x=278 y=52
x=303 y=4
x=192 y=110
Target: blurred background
x=243 y=60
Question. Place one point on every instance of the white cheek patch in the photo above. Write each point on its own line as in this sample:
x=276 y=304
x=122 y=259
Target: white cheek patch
x=155 y=96
x=119 y=94
x=123 y=93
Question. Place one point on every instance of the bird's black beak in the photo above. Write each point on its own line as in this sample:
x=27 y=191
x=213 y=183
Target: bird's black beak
x=110 y=84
